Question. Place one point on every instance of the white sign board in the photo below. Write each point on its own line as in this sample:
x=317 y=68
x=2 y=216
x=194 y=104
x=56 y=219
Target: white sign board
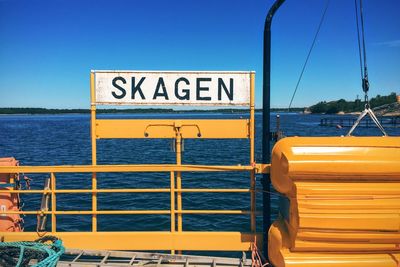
x=172 y=88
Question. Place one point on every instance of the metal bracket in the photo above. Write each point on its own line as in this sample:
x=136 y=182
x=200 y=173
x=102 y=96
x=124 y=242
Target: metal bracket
x=263 y=168
x=177 y=127
x=42 y=217
x=367 y=111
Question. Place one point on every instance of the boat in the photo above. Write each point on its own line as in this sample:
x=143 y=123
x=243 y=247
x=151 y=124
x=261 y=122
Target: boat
x=339 y=196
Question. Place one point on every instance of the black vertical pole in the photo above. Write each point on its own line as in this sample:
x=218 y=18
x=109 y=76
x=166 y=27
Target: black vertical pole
x=266 y=127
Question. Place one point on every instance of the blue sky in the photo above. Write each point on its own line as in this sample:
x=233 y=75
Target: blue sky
x=47 y=48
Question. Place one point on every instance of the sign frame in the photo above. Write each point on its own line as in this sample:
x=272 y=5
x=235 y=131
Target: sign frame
x=217 y=88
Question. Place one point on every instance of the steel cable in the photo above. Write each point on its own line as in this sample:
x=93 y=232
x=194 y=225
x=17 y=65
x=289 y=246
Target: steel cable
x=309 y=53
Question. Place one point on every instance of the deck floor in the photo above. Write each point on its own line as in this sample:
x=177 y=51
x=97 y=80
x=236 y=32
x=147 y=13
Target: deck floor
x=90 y=258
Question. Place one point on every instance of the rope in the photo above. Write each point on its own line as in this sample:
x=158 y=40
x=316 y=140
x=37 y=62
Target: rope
x=309 y=53
x=257 y=260
x=19 y=254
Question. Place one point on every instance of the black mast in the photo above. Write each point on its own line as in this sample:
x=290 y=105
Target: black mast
x=266 y=127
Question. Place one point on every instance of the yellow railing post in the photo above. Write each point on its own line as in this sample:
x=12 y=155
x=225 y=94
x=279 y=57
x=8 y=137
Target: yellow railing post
x=172 y=199
x=53 y=202
x=178 y=149
x=172 y=194
x=252 y=160
x=94 y=149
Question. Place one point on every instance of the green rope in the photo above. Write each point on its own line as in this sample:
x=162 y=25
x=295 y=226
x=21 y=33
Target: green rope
x=46 y=254
x=21 y=255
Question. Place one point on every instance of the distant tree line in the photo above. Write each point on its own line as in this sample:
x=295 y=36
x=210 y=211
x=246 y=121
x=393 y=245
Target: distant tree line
x=334 y=107
x=40 y=111
x=10 y=110
x=78 y=111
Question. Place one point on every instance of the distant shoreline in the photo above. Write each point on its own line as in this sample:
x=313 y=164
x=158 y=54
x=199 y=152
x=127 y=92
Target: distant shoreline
x=387 y=105
x=45 y=111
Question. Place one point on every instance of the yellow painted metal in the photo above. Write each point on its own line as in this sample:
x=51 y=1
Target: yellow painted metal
x=215 y=190
x=172 y=201
x=176 y=239
x=262 y=168
x=252 y=152
x=123 y=168
x=94 y=202
x=178 y=148
x=201 y=128
x=172 y=197
x=343 y=197
x=94 y=147
x=240 y=212
x=174 y=211
x=53 y=202
x=89 y=212
x=203 y=241
x=136 y=190
x=132 y=212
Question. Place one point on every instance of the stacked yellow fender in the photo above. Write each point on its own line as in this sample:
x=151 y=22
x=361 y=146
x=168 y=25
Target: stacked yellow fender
x=340 y=203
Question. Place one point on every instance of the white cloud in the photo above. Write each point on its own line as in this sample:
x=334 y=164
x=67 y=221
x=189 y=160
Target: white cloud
x=394 y=43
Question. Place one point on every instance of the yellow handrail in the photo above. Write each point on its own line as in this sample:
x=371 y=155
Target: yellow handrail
x=174 y=210
x=129 y=168
x=176 y=238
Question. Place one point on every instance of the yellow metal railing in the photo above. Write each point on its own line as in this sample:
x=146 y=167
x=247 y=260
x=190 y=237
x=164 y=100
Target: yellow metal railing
x=176 y=238
x=242 y=241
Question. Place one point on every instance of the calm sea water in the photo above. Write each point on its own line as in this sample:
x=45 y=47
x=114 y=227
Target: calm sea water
x=65 y=139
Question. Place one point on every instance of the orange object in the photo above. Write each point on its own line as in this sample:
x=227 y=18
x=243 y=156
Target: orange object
x=340 y=202
x=8 y=201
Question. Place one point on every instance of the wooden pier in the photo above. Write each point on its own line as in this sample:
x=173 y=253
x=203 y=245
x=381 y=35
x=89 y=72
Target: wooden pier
x=366 y=122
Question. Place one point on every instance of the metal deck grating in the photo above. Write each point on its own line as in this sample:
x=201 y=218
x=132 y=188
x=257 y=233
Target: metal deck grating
x=90 y=258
